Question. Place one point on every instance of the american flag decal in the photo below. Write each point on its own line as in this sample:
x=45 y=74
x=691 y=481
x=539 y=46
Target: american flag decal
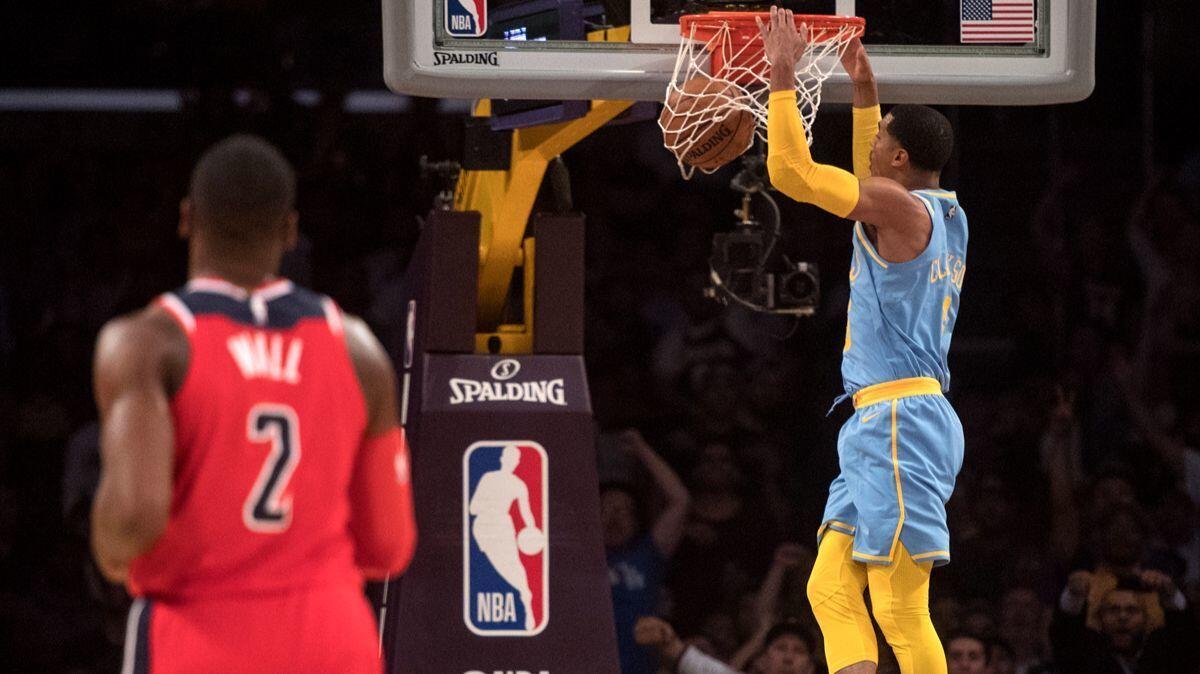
x=997 y=22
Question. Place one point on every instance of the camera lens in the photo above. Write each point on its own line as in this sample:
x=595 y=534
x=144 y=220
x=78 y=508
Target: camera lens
x=799 y=285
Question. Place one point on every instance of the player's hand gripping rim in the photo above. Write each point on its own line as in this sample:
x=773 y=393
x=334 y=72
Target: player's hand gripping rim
x=783 y=43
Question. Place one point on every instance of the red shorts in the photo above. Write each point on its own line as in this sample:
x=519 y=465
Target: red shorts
x=323 y=630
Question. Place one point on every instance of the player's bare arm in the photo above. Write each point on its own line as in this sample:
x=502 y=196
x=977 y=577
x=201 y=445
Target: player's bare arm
x=140 y=361
x=381 y=519
x=376 y=376
x=900 y=222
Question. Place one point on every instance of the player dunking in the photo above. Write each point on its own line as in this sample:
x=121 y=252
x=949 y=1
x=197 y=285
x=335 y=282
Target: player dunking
x=254 y=470
x=884 y=526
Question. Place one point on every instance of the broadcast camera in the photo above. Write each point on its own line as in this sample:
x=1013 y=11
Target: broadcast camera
x=745 y=267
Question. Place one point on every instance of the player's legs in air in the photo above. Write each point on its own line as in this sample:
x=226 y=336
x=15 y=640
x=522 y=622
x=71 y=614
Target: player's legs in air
x=884 y=530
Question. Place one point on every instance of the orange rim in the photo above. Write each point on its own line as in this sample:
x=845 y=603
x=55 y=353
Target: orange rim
x=744 y=28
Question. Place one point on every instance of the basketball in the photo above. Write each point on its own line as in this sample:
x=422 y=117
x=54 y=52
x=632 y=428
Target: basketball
x=699 y=126
x=531 y=541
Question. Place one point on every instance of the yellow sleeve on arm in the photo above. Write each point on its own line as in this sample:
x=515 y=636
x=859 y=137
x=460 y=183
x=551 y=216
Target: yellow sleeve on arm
x=791 y=165
x=866 y=127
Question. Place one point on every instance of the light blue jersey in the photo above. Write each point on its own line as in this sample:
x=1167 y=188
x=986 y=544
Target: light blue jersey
x=901 y=450
x=901 y=314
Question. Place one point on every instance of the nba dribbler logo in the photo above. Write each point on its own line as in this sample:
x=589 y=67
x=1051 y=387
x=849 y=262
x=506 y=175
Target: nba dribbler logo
x=466 y=18
x=506 y=557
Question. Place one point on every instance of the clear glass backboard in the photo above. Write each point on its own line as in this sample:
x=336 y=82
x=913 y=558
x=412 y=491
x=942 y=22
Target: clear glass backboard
x=972 y=52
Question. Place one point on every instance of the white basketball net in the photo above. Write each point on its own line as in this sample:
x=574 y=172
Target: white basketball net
x=747 y=72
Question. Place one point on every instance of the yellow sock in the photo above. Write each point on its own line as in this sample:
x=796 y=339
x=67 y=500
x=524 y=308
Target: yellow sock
x=835 y=590
x=900 y=604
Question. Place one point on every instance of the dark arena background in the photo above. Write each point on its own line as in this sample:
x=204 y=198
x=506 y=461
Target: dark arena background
x=1076 y=361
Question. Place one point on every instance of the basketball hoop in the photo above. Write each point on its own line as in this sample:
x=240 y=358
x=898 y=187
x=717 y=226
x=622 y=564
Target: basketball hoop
x=726 y=50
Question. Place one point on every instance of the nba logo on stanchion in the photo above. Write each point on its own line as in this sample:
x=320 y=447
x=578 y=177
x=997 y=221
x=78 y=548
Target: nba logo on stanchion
x=466 y=18
x=506 y=544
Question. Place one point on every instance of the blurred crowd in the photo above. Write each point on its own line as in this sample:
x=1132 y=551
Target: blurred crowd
x=1075 y=533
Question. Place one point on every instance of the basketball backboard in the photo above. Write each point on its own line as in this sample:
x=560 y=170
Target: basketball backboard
x=923 y=51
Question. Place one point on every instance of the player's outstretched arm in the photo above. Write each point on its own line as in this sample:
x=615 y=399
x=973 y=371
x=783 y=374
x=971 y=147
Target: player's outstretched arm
x=789 y=161
x=866 y=112
x=381 y=517
x=879 y=201
x=139 y=361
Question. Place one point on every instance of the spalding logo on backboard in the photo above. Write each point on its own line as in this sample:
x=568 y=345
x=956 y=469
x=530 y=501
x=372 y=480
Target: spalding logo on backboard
x=506 y=538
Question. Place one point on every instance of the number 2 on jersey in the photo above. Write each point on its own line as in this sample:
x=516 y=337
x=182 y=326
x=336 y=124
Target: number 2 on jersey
x=266 y=510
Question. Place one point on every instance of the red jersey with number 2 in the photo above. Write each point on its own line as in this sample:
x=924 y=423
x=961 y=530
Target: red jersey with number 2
x=268 y=423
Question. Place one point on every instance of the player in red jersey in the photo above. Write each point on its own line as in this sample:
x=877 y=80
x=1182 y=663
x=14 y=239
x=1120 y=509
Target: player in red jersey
x=254 y=469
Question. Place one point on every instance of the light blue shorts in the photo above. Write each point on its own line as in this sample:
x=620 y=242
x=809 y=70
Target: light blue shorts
x=899 y=459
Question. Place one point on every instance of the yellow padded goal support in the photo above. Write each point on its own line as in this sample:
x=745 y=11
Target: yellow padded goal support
x=505 y=199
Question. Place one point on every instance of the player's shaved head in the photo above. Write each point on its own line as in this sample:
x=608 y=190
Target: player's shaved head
x=243 y=189
x=924 y=133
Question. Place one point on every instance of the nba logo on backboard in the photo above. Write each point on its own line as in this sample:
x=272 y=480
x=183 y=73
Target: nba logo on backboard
x=506 y=540
x=466 y=18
